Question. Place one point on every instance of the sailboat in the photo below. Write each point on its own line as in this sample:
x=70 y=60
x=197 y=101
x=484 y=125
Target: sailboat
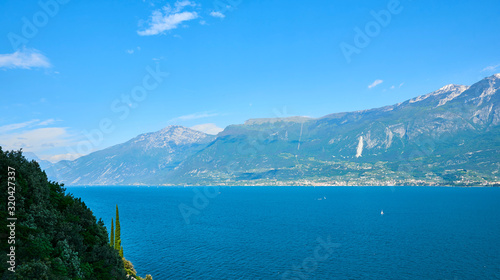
x=382 y=212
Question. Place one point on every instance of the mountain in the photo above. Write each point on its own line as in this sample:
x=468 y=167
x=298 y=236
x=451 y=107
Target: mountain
x=139 y=160
x=44 y=164
x=447 y=137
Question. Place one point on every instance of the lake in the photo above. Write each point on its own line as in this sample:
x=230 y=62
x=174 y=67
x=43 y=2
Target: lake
x=305 y=232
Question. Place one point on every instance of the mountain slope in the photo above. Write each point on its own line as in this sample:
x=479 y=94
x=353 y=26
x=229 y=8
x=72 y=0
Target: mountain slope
x=56 y=236
x=450 y=136
x=138 y=160
x=447 y=137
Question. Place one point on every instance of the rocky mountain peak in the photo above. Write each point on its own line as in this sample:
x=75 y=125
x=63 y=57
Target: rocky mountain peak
x=456 y=144
x=450 y=87
x=451 y=90
x=173 y=134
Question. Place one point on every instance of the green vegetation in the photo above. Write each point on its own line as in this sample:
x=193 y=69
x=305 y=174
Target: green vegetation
x=112 y=238
x=116 y=244
x=118 y=239
x=56 y=234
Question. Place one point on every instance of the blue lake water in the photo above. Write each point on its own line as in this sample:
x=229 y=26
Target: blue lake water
x=305 y=232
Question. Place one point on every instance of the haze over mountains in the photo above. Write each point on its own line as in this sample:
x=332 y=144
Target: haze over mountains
x=447 y=137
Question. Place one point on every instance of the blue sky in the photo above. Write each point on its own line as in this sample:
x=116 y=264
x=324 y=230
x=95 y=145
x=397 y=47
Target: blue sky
x=69 y=69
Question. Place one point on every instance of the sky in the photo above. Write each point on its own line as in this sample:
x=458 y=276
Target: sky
x=80 y=76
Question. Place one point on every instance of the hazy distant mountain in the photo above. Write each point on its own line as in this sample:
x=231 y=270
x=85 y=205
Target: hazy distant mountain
x=447 y=137
x=139 y=160
x=44 y=164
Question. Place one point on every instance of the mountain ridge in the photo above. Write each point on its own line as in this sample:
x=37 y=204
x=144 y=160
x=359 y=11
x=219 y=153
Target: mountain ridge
x=360 y=147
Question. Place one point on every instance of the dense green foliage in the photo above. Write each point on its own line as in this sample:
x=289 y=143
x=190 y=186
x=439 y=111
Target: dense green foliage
x=129 y=268
x=116 y=244
x=112 y=238
x=118 y=239
x=57 y=236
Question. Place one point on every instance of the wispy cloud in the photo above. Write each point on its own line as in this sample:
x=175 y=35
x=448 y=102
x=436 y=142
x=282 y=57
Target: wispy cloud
x=169 y=18
x=46 y=122
x=35 y=140
x=35 y=136
x=131 y=51
x=15 y=126
x=196 y=116
x=31 y=123
x=208 y=128
x=217 y=14
x=490 y=68
x=375 y=83
x=25 y=59
x=59 y=157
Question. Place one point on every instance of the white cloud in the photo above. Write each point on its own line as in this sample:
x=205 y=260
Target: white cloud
x=31 y=136
x=393 y=87
x=46 y=122
x=31 y=123
x=208 y=128
x=195 y=116
x=375 y=83
x=179 y=5
x=25 y=59
x=217 y=14
x=59 y=157
x=35 y=140
x=490 y=68
x=168 y=18
x=16 y=126
x=131 y=51
x=401 y=84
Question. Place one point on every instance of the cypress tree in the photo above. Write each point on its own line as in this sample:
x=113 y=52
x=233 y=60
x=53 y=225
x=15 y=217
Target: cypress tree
x=118 y=241
x=121 y=251
x=112 y=240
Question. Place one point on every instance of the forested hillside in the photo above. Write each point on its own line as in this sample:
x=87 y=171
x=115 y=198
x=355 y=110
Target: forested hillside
x=51 y=234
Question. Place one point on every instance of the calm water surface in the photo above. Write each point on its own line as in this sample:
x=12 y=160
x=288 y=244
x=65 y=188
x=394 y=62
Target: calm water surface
x=277 y=232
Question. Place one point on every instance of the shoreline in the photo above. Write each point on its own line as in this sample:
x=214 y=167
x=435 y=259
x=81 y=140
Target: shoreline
x=304 y=186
